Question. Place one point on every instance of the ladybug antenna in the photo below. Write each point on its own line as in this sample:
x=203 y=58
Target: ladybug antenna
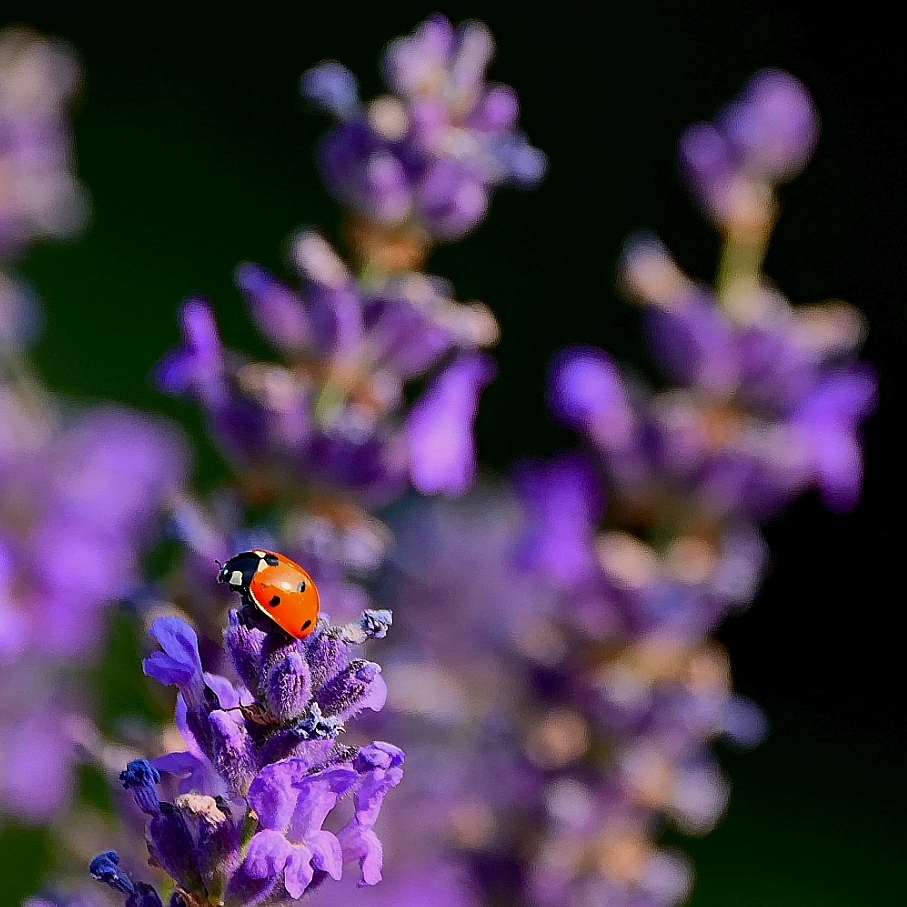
x=219 y=564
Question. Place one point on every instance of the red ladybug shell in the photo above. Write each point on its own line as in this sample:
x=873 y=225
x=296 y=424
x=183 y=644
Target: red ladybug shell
x=278 y=586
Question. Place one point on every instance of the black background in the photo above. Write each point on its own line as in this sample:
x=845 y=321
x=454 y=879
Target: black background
x=197 y=151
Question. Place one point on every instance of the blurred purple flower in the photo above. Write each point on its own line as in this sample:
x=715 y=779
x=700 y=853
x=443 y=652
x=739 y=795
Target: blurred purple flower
x=334 y=410
x=577 y=607
x=766 y=136
x=82 y=498
x=429 y=154
x=439 y=427
x=82 y=491
x=39 y=193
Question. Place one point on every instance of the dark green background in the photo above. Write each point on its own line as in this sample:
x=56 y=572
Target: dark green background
x=197 y=152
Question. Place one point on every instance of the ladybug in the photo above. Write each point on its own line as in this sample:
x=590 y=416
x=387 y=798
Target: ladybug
x=277 y=586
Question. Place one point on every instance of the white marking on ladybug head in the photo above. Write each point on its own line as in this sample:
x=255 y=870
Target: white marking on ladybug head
x=235 y=578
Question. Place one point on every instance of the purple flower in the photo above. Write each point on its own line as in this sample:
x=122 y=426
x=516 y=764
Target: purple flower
x=569 y=707
x=334 y=409
x=39 y=193
x=763 y=138
x=429 y=154
x=82 y=491
x=265 y=764
x=96 y=485
x=439 y=427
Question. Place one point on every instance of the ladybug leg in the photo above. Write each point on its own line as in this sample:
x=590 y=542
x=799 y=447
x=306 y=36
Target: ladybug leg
x=250 y=616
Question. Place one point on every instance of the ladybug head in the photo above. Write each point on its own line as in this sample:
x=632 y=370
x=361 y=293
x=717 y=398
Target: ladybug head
x=237 y=573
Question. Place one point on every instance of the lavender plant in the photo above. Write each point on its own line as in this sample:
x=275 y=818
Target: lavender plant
x=264 y=769
x=551 y=744
x=81 y=488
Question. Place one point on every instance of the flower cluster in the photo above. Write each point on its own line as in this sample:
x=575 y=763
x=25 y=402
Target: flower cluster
x=419 y=164
x=334 y=409
x=265 y=766
x=81 y=490
x=39 y=194
x=765 y=137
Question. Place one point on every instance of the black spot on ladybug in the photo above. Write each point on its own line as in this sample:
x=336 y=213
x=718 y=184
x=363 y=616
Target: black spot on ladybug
x=301 y=587
x=306 y=625
x=274 y=601
x=272 y=560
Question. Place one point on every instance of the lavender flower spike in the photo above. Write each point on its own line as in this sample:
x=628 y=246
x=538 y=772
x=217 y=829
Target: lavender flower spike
x=265 y=765
x=425 y=158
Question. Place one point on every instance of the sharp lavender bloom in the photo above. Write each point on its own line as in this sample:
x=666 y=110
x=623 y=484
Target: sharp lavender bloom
x=265 y=767
x=420 y=163
x=81 y=490
x=39 y=193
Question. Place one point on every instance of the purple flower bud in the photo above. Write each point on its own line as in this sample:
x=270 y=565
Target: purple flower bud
x=773 y=126
x=105 y=867
x=288 y=687
x=587 y=392
x=451 y=199
x=233 y=751
x=199 y=365
x=439 y=427
x=244 y=644
x=564 y=503
x=277 y=310
x=142 y=778
x=217 y=835
x=179 y=663
x=357 y=687
x=327 y=654
x=172 y=846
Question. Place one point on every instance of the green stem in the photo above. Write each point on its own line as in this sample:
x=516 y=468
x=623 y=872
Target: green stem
x=739 y=272
x=250 y=826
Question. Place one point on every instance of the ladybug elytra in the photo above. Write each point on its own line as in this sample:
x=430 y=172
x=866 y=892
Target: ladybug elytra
x=277 y=586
